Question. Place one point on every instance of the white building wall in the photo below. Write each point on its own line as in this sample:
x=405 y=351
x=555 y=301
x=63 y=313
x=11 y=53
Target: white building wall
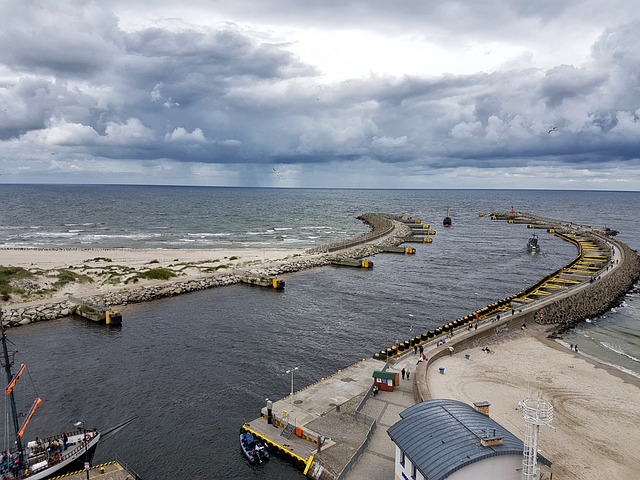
x=404 y=472
x=501 y=467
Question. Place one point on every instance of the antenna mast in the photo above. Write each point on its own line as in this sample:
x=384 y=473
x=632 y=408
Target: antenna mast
x=535 y=412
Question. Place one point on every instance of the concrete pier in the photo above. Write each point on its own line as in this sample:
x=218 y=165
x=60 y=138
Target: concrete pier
x=351 y=262
x=106 y=471
x=338 y=420
x=407 y=250
x=272 y=282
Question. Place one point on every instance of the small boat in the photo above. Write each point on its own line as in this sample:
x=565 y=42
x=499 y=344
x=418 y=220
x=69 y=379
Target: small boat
x=447 y=220
x=532 y=244
x=253 y=449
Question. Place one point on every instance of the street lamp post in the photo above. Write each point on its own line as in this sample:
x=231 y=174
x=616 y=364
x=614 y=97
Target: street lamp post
x=291 y=370
x=87 y=466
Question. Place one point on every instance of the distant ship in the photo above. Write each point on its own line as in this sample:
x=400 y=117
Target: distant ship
x=532 y=244
x=447 y=220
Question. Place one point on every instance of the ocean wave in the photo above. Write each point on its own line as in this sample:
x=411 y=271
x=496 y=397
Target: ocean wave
x=603 y=362
x=619 y=350
x=204 y=235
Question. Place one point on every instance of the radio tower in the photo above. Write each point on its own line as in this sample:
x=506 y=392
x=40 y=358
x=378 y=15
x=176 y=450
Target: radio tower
x=535 y=412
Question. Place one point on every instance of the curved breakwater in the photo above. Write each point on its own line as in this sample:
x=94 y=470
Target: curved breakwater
x=387 y=231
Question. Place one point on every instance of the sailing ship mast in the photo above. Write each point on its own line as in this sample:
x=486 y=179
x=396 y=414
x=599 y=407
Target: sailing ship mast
x=9 y=391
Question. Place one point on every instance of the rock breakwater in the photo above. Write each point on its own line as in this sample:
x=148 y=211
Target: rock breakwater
x=386 y=231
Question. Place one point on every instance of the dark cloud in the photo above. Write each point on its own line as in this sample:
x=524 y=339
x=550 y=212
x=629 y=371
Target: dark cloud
x=75 y=83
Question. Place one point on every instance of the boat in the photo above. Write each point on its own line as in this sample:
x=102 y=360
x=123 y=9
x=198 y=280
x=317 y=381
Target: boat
x=447 y=220
x=253 y=449
x=47 y=457
x=532 y=244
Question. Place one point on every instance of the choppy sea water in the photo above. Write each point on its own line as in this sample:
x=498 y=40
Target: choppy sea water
x=194 y=368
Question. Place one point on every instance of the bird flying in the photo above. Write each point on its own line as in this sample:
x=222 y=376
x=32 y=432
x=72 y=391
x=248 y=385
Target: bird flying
x=552 y=130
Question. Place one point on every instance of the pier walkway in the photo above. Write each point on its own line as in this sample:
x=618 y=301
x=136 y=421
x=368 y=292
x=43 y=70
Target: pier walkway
x=106 y=471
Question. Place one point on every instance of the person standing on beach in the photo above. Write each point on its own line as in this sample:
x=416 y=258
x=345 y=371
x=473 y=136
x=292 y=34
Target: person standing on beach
x=576 y=347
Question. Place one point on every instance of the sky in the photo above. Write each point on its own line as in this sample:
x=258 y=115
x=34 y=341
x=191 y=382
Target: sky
x=322 y=94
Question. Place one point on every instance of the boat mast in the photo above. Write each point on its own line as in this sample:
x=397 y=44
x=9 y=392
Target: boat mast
x=7 y=369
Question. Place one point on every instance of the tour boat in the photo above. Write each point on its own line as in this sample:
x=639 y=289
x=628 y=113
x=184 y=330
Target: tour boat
x=532 y=244
x=45 y=457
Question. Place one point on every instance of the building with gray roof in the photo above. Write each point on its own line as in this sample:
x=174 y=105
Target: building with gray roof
x=439 y=439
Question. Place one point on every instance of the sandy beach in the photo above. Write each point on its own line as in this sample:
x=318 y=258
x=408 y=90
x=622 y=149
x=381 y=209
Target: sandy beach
x=596 y=426
x=109 y=269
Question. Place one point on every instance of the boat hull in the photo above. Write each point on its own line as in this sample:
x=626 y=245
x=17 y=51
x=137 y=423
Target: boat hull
x=75 y=461
x=253 y=449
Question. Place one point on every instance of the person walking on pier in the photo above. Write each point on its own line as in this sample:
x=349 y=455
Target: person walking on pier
x=403 y=372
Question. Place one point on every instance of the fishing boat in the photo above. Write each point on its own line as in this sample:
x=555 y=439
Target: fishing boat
x=532 y=244
x=447 y=220
x=252 y=448
x=45 y=457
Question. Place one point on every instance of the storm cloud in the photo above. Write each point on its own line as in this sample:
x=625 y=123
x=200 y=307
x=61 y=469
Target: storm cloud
x=453 y=95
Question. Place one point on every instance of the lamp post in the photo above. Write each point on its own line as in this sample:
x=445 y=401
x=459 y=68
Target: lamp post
x=291 y=370
x=87 y=465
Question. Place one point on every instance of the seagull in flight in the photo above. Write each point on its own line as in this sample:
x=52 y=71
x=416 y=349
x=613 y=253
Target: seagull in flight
x=552 y=130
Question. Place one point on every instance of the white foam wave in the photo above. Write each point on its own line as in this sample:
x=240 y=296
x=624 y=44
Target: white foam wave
x=619 y=350
x=598 y=360
x=204 y=235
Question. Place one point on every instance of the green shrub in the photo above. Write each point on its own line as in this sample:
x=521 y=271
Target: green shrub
x=67 y=276
x=6 y=275
x=157 y=274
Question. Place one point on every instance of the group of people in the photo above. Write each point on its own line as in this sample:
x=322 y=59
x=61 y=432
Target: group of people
x=574 y=347
x=10 y=463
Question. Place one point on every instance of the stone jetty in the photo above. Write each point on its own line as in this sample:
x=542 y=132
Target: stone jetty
x=386 y=230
